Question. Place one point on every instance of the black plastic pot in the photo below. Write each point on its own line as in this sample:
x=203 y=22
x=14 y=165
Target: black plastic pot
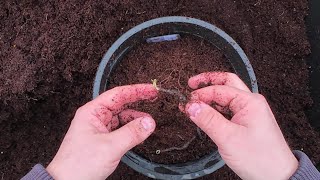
x=313 y=30
x=182 y=26
x=313 y=27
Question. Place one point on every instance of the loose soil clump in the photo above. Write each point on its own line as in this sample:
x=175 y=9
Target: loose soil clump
x=50 y=52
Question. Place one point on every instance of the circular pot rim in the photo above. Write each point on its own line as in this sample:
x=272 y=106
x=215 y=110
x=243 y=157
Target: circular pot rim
x=209 y=163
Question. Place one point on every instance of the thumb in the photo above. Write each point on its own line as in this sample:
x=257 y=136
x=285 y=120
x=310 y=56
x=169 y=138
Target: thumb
x=131 y=134
x=214 y=124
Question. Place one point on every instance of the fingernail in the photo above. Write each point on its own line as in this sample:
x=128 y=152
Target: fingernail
x=194 y=109
x=147 y=123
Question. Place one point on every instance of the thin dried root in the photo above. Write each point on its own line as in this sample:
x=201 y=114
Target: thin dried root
x=166 y=79
x=182 y=98
x=185 y=146
x=199 y=133
x=179 y=79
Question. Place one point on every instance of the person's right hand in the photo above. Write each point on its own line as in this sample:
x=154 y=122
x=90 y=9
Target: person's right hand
x=251 y=143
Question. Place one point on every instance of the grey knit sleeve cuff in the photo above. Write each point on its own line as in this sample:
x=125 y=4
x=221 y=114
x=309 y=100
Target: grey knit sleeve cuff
x=38 y=172
x=306 y=170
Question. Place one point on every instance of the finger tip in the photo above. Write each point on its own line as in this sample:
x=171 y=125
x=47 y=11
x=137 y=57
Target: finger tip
x=146 y=91
x=148 y=123
x=192 y=83
x=194 y=109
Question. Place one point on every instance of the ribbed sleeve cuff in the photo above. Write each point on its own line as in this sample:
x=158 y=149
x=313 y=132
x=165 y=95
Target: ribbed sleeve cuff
x=38 y=172
x=306 y=170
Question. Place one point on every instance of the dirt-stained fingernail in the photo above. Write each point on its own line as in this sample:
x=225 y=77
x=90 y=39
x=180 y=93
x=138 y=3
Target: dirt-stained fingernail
x=194 y=109
x=147 y=123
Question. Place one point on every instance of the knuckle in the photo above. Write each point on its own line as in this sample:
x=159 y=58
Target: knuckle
x=232 y=76
x=206 y=120
x=79 y=110
x=84 y=107
x=115 y=88
x=260 y=98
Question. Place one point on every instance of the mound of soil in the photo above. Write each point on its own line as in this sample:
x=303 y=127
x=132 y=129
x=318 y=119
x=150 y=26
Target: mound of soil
x=172 y=64
x=50 y=51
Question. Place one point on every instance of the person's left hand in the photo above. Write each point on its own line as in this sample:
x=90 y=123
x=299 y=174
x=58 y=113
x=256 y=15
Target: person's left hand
x=90 y=149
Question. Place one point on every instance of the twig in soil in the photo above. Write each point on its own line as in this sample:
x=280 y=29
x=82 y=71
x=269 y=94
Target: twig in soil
x=55 y=92
x=180 y=137
x=31 y=98
x=185 y=146
x=179 y=79
x=138 y=13
x=257 y=3
x=139 y=69
x=182 y=98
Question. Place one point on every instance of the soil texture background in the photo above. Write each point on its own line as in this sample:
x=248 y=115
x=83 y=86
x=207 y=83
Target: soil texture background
x=50 y=50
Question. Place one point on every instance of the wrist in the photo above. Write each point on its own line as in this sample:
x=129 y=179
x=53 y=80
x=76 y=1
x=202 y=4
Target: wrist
x=55 y=170
x=291 y=168
x=52 y=170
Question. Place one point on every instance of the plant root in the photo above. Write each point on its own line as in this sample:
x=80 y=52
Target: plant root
x=185 y=146
x=182 y=98
x=165 y=80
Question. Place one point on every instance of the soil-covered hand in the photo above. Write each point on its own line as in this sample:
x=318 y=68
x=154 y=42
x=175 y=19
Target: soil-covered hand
x=251 y=143
x=90 y=149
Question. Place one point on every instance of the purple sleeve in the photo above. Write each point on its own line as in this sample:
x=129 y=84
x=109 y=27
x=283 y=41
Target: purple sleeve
x=38 y=172
x=306 y=170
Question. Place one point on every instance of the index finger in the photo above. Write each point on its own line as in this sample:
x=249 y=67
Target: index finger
x=117 y=97
x=217 y=78
x=225 y=96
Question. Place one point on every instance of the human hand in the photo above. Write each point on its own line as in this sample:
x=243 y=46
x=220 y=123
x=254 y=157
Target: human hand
x=251 y=143
x=90 y=149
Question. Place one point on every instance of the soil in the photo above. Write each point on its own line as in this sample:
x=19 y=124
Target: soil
x=50 y=51
x=172 y=64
